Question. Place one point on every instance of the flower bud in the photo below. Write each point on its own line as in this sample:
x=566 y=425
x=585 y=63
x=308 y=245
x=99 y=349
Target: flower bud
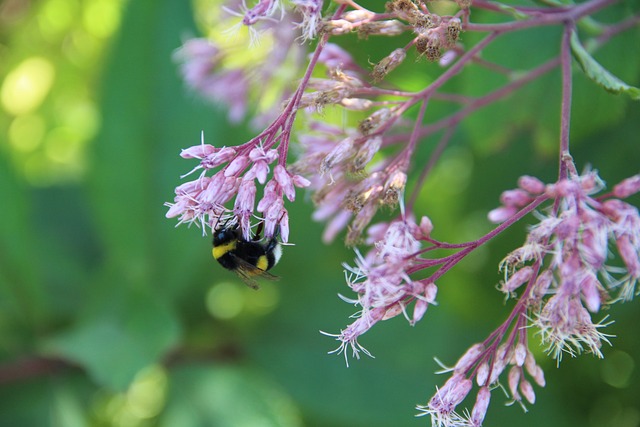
x=520 y=354
x=419 y=310
x=519 y=278
x=479 y=410
x=340 y=152
x=358 y=15
x=391 y=27
x=469 y=358
x=527 y=391
x=388 y=64
x=356 y=104
x=454 y=27
x=374 y=121
x=501 y=214
x=590 y=286
x=429 y=46
x=543 y=282
x=198 y=151
x=426 y=226
x=531 y=184
x=394 y=187
x=629 y=255
x=236 y=166
x=513 y=380
x=627 y=187
x=336 y=27
x=482 y=375
x=517 y=198
x=366 y=152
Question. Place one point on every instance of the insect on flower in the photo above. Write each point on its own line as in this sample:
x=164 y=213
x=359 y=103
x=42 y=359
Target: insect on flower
x=247 y=258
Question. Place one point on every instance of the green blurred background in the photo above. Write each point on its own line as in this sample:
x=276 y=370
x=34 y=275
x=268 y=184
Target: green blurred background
x=111 y=316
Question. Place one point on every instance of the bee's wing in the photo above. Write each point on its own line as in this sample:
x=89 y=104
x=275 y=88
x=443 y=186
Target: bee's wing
x=248 y=272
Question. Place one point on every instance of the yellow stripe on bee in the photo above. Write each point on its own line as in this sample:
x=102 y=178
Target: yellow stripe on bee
x=263 y=263
x=221 y=250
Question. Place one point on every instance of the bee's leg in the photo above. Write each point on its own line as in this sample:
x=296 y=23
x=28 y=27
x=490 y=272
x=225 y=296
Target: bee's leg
x=256 y=237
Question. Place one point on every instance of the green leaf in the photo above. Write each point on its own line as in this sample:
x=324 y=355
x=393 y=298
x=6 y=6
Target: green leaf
x=117 y=343
x=22 y=296
x=129 y=320
x=598 y=73
x=226 y=397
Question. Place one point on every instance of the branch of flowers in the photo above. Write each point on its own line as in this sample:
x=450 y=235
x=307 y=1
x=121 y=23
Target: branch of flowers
x=478 y=103
x=565 y=106
x=455 y=68
x=548 y=17
x=441 y=80
x=285 y=120
x=450 y=260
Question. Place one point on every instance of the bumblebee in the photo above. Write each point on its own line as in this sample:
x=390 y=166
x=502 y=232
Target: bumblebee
x=247 y=258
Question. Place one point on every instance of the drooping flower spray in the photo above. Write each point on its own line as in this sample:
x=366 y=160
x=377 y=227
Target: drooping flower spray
x=561 y=277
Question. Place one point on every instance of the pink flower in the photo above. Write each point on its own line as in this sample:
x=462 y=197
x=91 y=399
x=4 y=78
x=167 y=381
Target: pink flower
x=382 y=284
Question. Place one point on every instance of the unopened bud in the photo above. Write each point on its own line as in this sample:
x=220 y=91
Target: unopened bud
x=469 y=358
x=519 y=278
x=358 y=15
x=394 y=187
x=236 y=166
x=388 y=64
x=356 y=104
x=483 y=374
x=480 y=407
x=340 y=152
x=517 y=198
x=401 y=6
x=629 y=255
x=454 y=27
x=336 y=27
x=391 y=27
x=429 y=46
x=520 y=354
x=543 y=282
x=366 y=152
x=590 y=286
x=627 y=187
x=198 y=151
x=419 y=310
x=531 y=184
x=374 y=121
x=514 y=380
x=501 y=214
x=426 y=226
x=527 y=391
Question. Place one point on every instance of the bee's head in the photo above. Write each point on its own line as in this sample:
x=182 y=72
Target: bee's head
x=225 y=234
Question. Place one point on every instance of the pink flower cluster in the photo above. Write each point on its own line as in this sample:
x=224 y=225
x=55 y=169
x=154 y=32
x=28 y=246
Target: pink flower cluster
x=563 y=270
x=344 y=193
x=202 y=201
x=206 y=68
x=563 y=274
x=382 y=282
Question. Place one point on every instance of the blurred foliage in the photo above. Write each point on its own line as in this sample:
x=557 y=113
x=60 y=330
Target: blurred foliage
x=110 y=316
